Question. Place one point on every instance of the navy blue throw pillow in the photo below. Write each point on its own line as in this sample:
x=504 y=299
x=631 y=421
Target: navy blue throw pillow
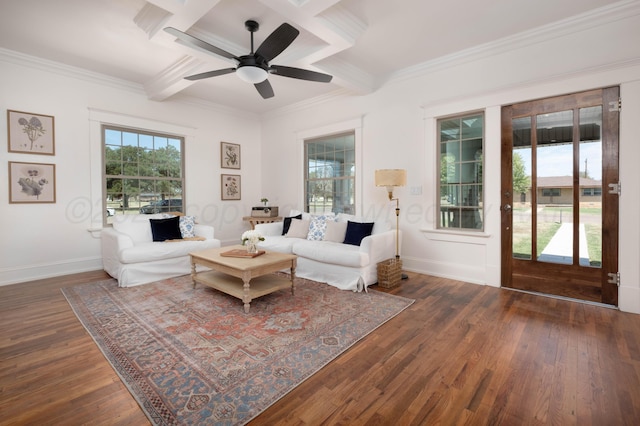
x=287 y=223
x=356 y=231
x=166 y=229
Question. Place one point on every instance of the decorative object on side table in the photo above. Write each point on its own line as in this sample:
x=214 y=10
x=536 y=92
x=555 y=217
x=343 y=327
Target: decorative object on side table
x=391 y=178
x=251 y=240
x=264 y=211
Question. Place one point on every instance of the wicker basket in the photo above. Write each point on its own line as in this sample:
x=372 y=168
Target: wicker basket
x=389 y=273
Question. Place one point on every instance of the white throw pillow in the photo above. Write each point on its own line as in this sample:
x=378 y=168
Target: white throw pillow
x=318 y=226
x=335 y=231
x=187 y=226
x=299 y=229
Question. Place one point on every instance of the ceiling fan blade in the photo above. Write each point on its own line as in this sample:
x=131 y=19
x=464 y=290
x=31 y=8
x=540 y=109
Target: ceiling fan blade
x=300 y=73
x=277 y=41
x=210 y=74
x=196 y=42
x=265 y=89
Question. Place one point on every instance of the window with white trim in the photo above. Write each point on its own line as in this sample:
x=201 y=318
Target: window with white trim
x=330 y=170
x=143 y=172
x=460 y=165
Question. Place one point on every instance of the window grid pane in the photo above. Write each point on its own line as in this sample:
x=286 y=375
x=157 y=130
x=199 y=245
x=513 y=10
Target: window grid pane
x=330 y=174
x=460 y=197
x=143 y=172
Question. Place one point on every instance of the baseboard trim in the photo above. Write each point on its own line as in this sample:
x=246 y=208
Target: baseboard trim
x=40 y=271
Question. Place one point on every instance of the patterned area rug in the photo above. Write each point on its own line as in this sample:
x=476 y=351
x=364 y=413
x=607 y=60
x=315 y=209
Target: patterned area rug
x=194 y=357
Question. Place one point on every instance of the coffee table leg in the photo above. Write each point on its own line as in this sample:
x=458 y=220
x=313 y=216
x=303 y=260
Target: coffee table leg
x=193 y=272
x=246 y=298
x=293 y=276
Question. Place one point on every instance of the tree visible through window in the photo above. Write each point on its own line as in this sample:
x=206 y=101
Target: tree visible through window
x=330 y=165
x=460 y=197
x=143 y=172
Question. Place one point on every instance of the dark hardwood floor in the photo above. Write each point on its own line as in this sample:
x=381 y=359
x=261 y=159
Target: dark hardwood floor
x=461 y=354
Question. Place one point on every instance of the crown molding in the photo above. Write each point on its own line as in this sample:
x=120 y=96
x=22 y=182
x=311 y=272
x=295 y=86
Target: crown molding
x=503 y=90
x=170 y=81
x=17 y=58
x=151 y=19
x=594 y=18
x=214 y=107
x=308 y=103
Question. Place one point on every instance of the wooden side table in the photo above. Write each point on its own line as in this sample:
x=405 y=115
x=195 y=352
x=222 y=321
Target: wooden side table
x=255 y=220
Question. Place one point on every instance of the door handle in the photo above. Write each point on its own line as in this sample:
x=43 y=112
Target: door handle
x=507 y=208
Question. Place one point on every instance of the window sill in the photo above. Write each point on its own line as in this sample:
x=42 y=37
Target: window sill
x=480 y=237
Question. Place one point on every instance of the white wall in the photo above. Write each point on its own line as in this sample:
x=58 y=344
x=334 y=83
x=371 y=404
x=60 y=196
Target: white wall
x=398 y=128
x=42 y=240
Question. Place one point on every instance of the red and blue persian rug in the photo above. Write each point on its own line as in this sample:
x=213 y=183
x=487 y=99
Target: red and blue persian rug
x=192 y=356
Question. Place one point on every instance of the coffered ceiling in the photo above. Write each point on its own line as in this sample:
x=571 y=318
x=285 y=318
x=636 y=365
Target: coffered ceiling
x=362 y=43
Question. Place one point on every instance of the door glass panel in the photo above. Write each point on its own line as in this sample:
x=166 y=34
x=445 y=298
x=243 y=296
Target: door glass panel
x=554 y=188
x=521 y=190
x=591 y=187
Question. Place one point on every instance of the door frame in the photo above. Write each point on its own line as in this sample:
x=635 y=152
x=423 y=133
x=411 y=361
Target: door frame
x=607 y=292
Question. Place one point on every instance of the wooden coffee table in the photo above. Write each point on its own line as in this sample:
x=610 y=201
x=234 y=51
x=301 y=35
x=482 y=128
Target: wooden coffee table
x=244 y=278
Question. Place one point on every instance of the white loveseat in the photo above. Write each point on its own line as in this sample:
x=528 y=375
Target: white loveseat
x=345 y=266
x=130 y=255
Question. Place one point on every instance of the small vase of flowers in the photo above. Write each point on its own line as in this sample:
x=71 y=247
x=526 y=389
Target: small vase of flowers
x=250 y=239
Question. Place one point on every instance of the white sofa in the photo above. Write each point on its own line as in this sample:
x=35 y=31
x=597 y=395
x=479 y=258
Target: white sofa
x=130 y=255
x=345 y=266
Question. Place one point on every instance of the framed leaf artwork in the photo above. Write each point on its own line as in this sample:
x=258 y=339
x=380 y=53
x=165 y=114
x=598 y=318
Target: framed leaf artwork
x=32 y=182
x=30 y=133
x=230 y=187
x=229 y=155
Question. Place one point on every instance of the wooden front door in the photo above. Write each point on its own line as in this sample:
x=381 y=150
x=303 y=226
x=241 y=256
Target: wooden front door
x=559 y=195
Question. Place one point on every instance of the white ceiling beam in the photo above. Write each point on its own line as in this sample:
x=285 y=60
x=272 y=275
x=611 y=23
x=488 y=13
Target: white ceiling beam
x=181 y=14
x=171 y=80
x=335 y=26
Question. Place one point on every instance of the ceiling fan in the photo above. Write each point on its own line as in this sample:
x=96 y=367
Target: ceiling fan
x=254 y=68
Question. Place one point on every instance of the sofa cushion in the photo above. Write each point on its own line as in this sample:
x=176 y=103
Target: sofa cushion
x=152 y=251
x=318 y=226
x=331 y=253
x=135 y=226
x=299 y=229
x=379 y=226
x=335 y=232
x=279 y=243
x=187 y=226
x=356 y=231
x=286 y=223
x=165 y=229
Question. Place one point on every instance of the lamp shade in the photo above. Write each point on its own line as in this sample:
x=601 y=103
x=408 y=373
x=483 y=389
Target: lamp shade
x=251 y=74
x=391 y=177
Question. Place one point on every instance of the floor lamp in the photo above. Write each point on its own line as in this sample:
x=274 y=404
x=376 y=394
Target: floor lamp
x=390 y=178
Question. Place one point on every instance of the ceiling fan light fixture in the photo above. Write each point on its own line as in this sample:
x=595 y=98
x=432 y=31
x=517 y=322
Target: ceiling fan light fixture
x=252 y=74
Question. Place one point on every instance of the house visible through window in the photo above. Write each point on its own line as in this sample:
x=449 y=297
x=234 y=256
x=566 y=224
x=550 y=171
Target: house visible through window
x=330 y=165
x=592 y=192
x=143 y=172
x=460 y=198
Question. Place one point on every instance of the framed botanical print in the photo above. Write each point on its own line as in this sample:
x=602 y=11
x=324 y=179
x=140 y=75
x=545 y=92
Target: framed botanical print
x=32 y=182
x=30 y=133
x=230 y=187
x=229 y=155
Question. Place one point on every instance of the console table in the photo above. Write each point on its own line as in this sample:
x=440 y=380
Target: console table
x=255 y=220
